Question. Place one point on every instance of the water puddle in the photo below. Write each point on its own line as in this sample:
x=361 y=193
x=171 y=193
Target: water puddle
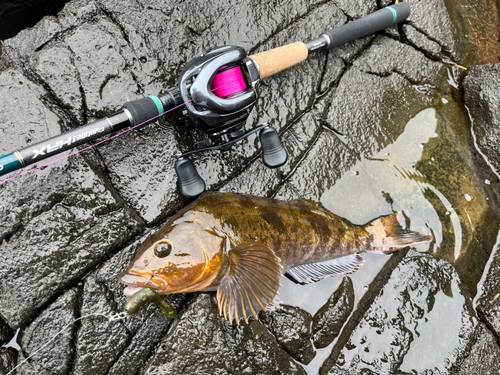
x=429 y=174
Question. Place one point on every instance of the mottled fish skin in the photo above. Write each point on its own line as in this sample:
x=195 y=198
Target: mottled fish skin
x=297 y=231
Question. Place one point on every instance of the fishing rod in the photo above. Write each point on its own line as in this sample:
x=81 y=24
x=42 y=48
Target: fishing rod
x=218 y=89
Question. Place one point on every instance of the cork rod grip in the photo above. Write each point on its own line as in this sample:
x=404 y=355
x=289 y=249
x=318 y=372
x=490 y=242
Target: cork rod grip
x=278 y=59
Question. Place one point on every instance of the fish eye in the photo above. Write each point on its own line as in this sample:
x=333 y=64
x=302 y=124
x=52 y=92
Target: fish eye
x=163 y=248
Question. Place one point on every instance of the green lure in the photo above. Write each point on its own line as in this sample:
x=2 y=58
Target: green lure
x=139 y=299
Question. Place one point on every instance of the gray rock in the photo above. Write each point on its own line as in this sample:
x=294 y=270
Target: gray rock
x=48 y=340
x=57 y=222
x=292 y=328
x=202 y=342
x=330 y=318
x=6 y=332
x=437 y=28
x=8 y=358
x=484 y=355
x=422 y=42
x=18 y=15
x=317 y=170
x=483 y=100
x=394 y=88
x=488 y=303
x=421 y=319
x=101 y=337
x=356 y=9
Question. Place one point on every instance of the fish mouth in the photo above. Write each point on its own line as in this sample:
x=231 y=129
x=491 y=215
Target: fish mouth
x=136 y=282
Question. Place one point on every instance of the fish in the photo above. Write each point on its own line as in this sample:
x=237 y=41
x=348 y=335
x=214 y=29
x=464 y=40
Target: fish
x=240 y=246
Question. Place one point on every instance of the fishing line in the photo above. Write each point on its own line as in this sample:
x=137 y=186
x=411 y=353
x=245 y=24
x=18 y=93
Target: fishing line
x=226 y=82
x=89 y=147
x=111 y=318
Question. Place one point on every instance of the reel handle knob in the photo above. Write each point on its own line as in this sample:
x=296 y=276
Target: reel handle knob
x=273 y=153
x=190 y=182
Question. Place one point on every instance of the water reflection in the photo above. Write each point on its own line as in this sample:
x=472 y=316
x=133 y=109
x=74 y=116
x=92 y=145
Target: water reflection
x=428 y=174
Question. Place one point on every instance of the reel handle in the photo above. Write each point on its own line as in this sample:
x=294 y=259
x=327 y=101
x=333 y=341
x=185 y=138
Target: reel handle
x=191 y=184
x=274 y=155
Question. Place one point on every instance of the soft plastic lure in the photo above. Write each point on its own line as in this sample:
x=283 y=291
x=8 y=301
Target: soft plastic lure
x=143 y=296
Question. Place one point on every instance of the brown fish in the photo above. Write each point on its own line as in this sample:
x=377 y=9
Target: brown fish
x=240 y=245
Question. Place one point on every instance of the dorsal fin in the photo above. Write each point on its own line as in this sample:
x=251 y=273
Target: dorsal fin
x=310 y=272
x=251 y=281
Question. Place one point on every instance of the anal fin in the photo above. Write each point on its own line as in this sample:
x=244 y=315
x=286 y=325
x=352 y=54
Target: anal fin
x=311 y=272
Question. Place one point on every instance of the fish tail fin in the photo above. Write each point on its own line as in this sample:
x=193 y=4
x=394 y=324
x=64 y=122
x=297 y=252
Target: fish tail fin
x=389 y=235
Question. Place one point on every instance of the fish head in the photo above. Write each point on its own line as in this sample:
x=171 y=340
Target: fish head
x=185 y=256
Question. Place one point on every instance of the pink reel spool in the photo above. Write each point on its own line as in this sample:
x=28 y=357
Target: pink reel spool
x=228 y=82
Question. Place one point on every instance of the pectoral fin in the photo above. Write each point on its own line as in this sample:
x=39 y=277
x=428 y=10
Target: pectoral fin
x=251 y=281
x=308 y=273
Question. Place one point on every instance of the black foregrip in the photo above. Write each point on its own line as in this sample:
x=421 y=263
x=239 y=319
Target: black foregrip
x=368 y=25
x=143 y=111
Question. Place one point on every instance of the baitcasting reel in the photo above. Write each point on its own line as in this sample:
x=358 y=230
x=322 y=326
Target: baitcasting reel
x=218 y=88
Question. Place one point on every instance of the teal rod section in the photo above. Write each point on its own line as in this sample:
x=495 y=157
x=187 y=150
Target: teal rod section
x=9 y=163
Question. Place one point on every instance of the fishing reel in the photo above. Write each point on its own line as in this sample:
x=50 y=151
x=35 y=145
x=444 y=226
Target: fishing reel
x=219 y=90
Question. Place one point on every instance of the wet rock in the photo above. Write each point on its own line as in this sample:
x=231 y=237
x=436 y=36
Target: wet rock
x=255 y=179
x=438 y=28
x=318 y=170
x=101 y=336
x=483 y=100
x=57 y=222
x=292 y=328
x=356 y=9
x=48 y=340
x=18 y=15
x=484 y=355
x=201 y=342
x=442 y=163
x=392 y=89
x=478 y=27
x=421 y=320
x=8 y=358
x=330 y=318
x=421 y=42
x=26 y=116
x=339 y=58
x=145 y=173
x=6 y=332
x=488 y=303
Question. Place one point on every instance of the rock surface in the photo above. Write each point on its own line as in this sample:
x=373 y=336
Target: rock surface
x=484 y=354
x=331 y=317
x=202 y=342
x=420 y=319
x=18 y=15
x=291 y=326
x=68 y=230
x=482 y=98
